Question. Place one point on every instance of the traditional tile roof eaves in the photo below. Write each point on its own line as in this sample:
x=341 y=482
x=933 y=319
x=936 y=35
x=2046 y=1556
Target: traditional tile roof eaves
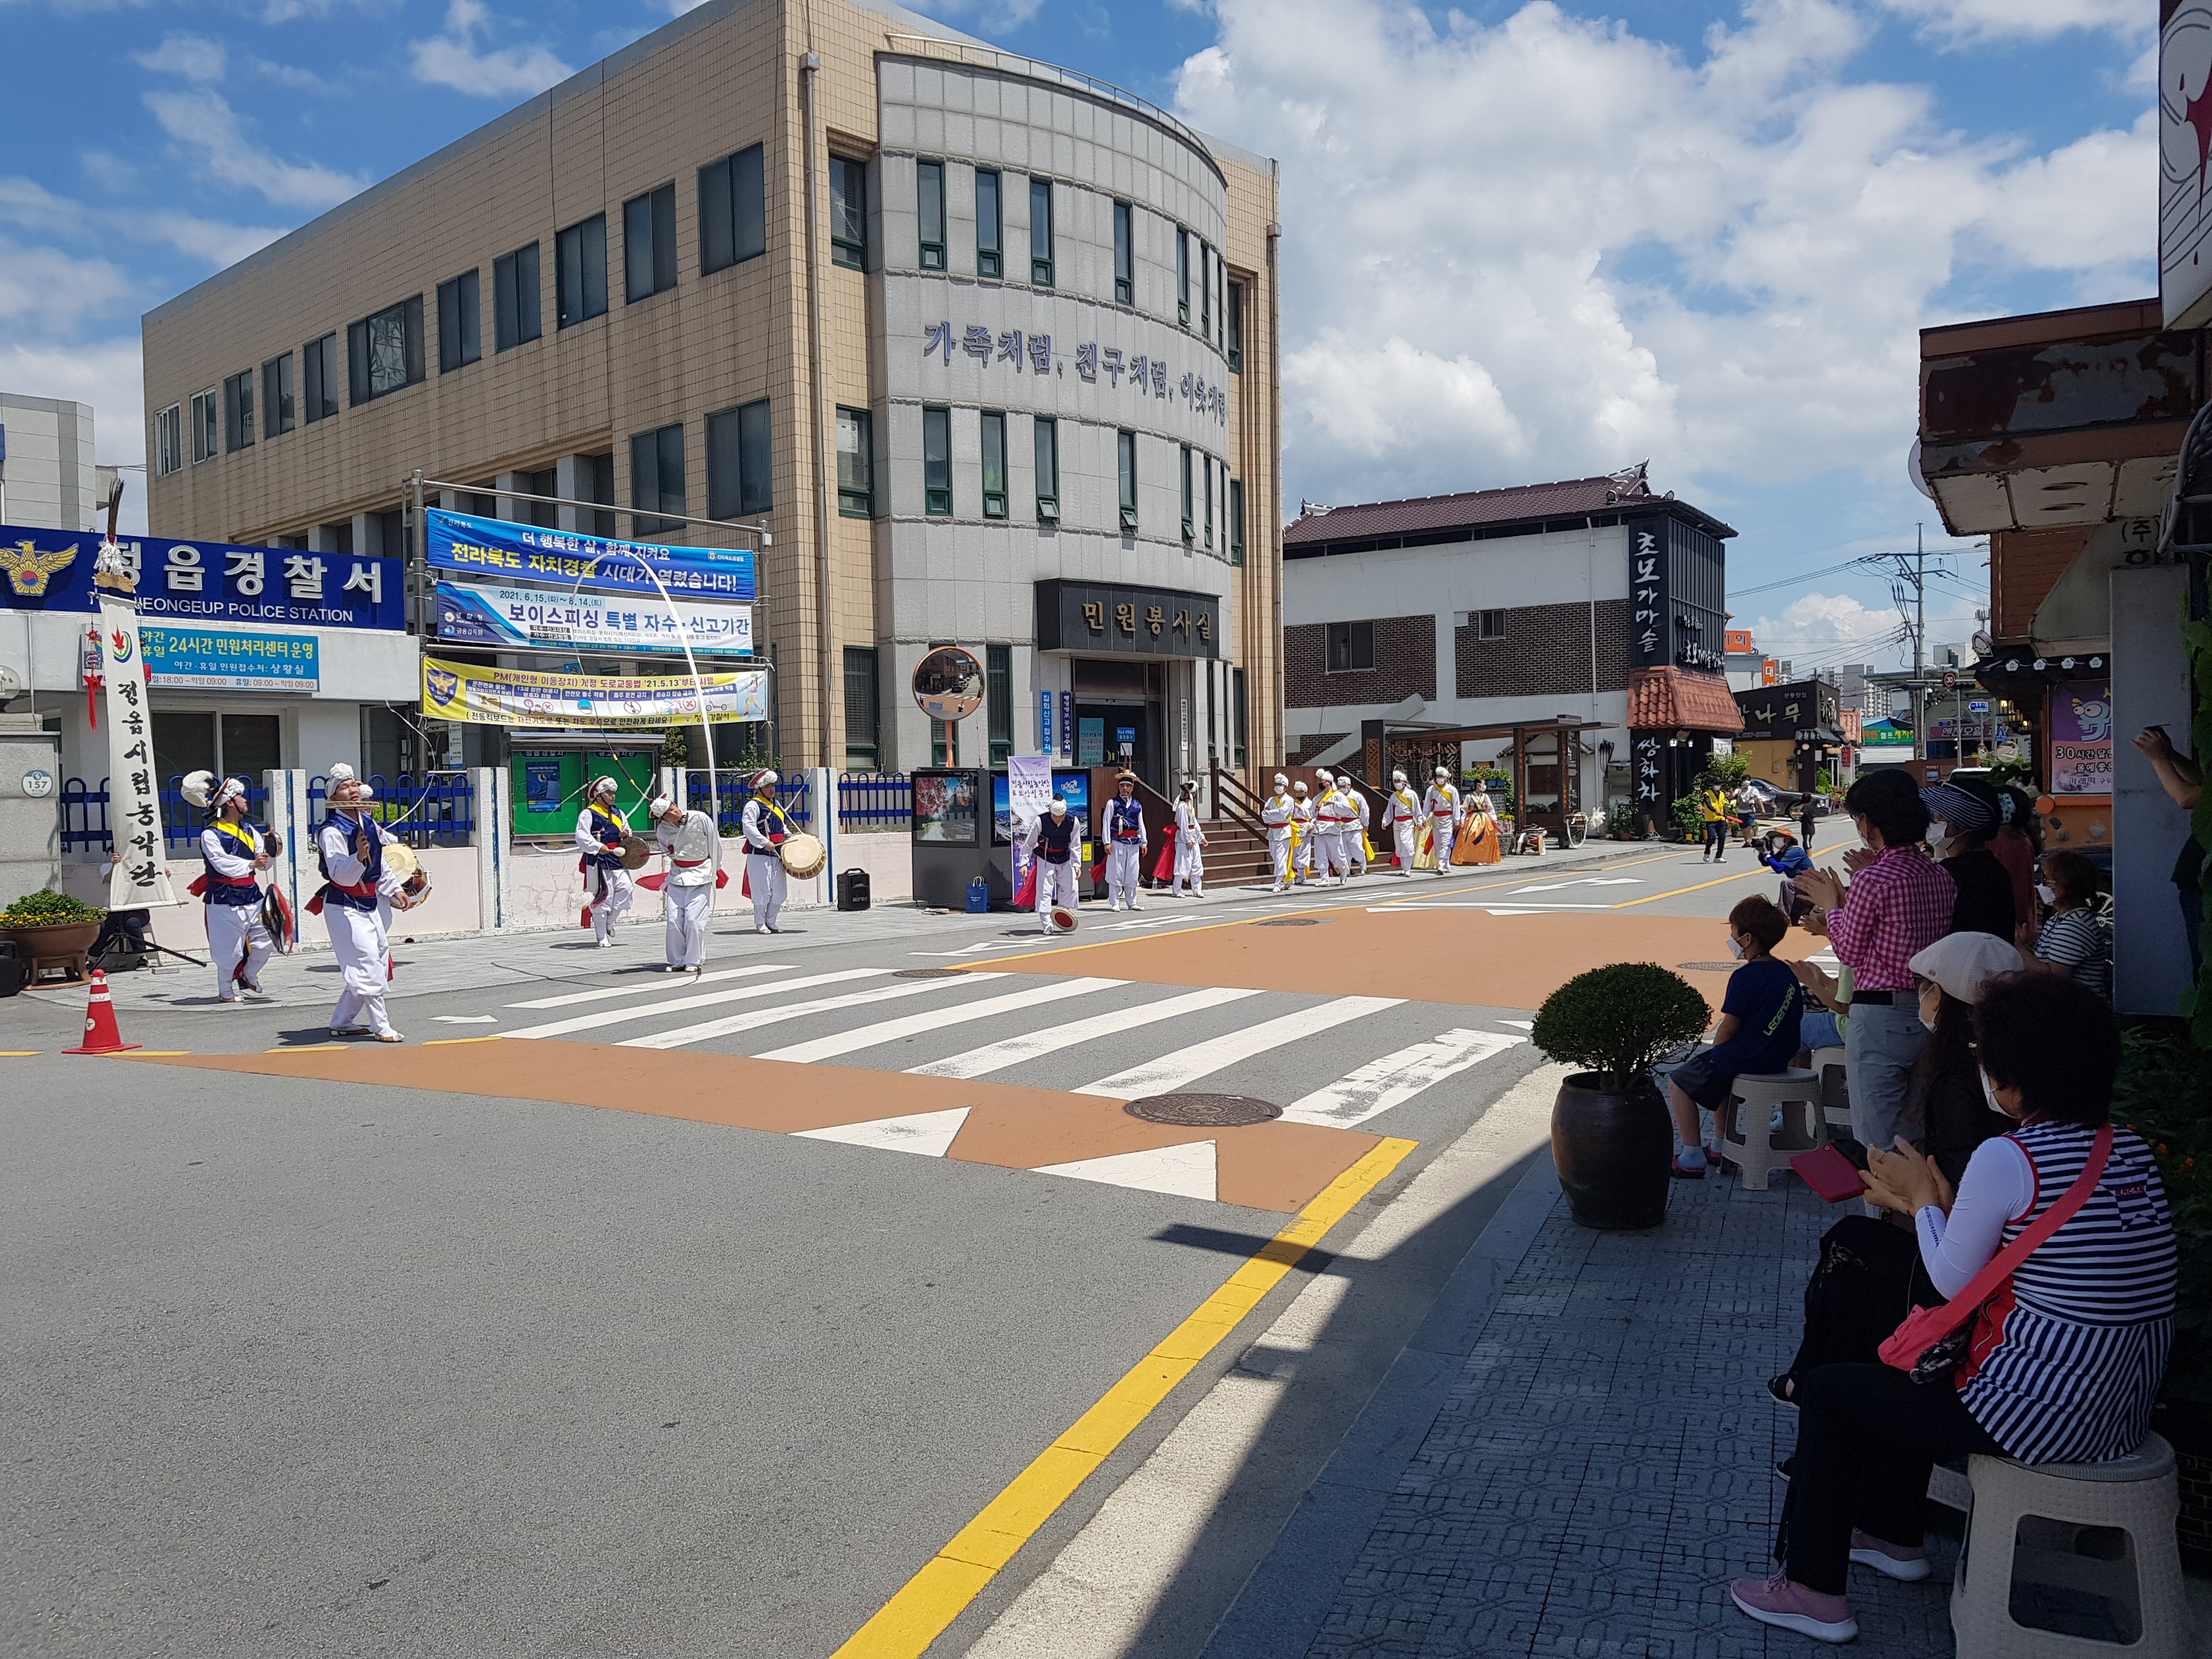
x=1671 y=699
x=1570 y=498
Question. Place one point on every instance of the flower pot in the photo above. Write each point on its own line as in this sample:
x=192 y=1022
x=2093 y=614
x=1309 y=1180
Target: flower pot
x=1612 y=1148
x=56 y=946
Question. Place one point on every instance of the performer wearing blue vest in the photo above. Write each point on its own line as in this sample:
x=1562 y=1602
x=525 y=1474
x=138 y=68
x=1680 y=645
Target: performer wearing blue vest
x=349 y=852
x=1126 y=841
x=766 y=828
x=599 y=832
x=234 y=850
x=1052 y=844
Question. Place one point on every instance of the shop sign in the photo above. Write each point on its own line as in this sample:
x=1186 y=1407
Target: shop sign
x=1151 y=621
x=2082 y=738
x=2185 y=206
x=231 y=661
x=1137 y=373
x=585 y=702
x=495 y=548
x=1045 y=728
x=537 y=616
x=1649 y=761
x=204 y=581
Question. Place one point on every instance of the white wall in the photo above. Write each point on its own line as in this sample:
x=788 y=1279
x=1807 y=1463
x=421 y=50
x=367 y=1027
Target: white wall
x=51 y=482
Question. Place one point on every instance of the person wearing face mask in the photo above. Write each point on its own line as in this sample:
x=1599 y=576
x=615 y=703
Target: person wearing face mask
x=2067 y=1355
x=1757 y=1033
x=2078 y=940
x=1962 y=817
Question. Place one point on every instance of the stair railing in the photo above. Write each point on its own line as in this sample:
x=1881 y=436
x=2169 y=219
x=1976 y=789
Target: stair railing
x=1233 y=801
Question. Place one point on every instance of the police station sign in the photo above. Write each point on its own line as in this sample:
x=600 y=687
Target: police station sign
x=204 y=581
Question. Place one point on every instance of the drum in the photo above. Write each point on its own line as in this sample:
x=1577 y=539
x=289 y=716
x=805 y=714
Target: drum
x=803 y=856
x=399 y=859
x=636 y=850
x=1063 y=919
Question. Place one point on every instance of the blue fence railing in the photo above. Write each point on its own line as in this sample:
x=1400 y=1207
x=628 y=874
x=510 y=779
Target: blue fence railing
x=436 y=811
x=874 y=800
x=734 y=787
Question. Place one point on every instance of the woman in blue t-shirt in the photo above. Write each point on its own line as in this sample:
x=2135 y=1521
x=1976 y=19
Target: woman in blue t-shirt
x=1757 y=1033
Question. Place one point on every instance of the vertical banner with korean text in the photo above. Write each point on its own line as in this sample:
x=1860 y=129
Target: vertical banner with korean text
x=134 y=807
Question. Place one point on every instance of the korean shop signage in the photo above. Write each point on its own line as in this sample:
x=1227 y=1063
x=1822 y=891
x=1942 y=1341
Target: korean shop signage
x=204 y=581
x=1144 y=622
x=522 y=552
x=542 y=617
x=1135 y=375
x=1804 y=711
x=230 y=659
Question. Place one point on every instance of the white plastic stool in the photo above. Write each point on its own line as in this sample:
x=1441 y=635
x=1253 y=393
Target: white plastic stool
x=1755 y=1155
x=1835 y=1109
x=2070 y=1560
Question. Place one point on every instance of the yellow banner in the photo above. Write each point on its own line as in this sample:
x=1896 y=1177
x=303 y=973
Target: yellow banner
x=585 y=702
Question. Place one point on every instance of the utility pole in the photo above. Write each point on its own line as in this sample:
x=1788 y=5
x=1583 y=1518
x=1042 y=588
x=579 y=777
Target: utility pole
x=1919 y=645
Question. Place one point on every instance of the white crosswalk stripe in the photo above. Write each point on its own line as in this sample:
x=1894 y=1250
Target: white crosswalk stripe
x=938 y=1019
x=730 y=1025
x=706 y=999
x=646 y=982
x=1395 y=1078
x=997 y=1056
x=1186 y=1065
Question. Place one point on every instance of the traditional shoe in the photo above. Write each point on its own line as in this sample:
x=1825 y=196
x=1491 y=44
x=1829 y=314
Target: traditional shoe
x=607 y=944
x=1896 y=1561
x=389 y=1037
x=349 y=1030
x=1779 y=1601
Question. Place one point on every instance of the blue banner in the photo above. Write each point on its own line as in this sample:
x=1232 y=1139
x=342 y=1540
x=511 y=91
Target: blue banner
x=230 y=661
x=596 y=622
x=512 y=552
x=204 y=581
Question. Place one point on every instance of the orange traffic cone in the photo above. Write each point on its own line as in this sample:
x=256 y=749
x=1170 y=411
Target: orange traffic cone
x=100 y=1035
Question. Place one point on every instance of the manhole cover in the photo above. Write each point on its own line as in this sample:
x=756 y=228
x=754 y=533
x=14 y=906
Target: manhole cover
x=1709 y=967
x=1292 y=922
x=925 y=973
x=1203 y=1111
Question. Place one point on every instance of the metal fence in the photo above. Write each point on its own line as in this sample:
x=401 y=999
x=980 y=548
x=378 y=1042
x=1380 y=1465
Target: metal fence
x=735 y=788
x=437 y=811
x=874 y=800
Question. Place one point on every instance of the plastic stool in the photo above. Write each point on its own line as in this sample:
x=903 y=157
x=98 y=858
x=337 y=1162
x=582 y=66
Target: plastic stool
x=2072 y=1560
x=1835 y=1109
x=1761 y=1093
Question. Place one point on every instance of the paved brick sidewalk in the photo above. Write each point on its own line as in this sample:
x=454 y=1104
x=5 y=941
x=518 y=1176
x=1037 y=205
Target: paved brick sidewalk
x=1603 y=1465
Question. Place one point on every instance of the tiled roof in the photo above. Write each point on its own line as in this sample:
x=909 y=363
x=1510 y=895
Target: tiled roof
x=1671 y=699
x=1570 y=498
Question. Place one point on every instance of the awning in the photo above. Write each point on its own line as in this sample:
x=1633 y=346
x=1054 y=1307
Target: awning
x=1675 y=700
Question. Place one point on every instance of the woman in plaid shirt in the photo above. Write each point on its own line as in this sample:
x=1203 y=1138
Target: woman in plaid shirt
x=1898 y=904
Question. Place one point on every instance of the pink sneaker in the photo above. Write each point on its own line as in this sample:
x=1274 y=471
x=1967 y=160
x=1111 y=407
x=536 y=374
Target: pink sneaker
x=1891 y=1560
x=1776 y=1601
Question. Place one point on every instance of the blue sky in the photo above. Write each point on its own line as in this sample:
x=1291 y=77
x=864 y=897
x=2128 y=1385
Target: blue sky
x=1559 y=238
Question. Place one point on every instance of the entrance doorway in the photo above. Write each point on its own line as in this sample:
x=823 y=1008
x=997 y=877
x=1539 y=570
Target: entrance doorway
x=1118 y=717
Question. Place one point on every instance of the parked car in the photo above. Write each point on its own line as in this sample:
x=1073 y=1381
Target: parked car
x=1779 y=803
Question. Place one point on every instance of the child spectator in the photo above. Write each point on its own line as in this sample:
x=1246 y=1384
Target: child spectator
x=1757 y=1033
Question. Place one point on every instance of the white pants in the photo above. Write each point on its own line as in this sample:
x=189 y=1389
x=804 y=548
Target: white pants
x=764 y=871
x=1355 y=850
x=1304 y=863
x=235 y=934
x=616 y=890
x=1123 y=862
x=1404 y=831
x=1190 y=863
x=688 y=911
x=1328 y=852
x=1441 y=832
x=1279 y=852
x=357 y=938
x=1055 y=886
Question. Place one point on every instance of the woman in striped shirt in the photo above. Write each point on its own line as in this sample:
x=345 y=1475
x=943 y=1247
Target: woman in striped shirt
x=2071 y=1350
x=2075 y=940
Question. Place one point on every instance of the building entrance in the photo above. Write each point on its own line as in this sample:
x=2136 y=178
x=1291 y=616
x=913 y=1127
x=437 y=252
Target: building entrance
x=1118 y=717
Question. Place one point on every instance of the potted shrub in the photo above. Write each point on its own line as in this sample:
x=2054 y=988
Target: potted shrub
x=51 y=927
x=1611 y=1136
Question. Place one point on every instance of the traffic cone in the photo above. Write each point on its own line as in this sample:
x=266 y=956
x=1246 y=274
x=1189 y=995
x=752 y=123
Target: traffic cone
x=100 y=1035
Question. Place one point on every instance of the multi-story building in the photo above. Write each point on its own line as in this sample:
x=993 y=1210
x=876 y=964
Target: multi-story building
x=48 y=480
x=982 y=350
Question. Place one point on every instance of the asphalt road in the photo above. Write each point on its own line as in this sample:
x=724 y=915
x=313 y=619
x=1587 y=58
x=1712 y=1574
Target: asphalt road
x=299 y=1364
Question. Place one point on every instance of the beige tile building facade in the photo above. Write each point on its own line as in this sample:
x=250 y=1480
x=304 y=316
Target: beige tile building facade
x=835 y=273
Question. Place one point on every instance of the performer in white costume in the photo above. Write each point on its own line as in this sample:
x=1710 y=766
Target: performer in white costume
x=600 y=832
x=349 y=852
x=1051 y=842
x=235 y=852
x=1302 y=815
x=1275 y=815
x=694 y=862
x=765 y=828
x=1441 y=802
x=1355 y=826
x=1404 y=816
x=1190 y=842
x=1126 y=841
x=1329 y=849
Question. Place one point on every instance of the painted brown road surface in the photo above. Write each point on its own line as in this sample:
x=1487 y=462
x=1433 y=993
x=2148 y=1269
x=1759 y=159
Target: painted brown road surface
x=1275 y=1166
x=1452 y=956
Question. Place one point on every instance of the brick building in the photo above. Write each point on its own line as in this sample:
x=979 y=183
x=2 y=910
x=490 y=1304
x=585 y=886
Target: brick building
x=1584 y=598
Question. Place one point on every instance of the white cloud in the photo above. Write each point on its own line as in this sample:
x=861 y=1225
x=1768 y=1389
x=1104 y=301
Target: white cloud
x=29 y=205
x=204 y=121
x=1548 y=247
x=452 y=58
x=47 y=289
x=193 y=56
x=104 y=372
x=1977 y=20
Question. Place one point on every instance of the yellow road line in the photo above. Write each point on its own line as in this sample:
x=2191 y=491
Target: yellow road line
x=1522 y=880
x=929 y=1601
x=1652 y=898
x=20 y=1054
x=145 y=1054
x=443 y=1042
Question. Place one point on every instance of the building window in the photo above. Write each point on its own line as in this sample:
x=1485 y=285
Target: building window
x=597 y=484
x=318 y=373
x=929 y=211
x=514 y=298
x=1205 y=464
x=998 y=700
x=1048 y=470
x=656 y=478
x=1351 y=646
x=579 y=272
x=989 y=236
x=1488 y=624
x=237 y=412
x=849 y=212
x=1183 y=277
x=337 y=538
x=207 y=439
x=1206 y=290
x=856 y=464
x=863 y=752
x=1041 y=232
x=937 y=462
x=1237 y=525
x=733 y=210
x=1125 y=444
x=169 y=441
x=738 y=462
x=1125 y=254
x=457 y=323
x=279 y=412
x=1233 y=326
x=385 y=350
x=650 y=243
x=1190 y=521
x=994 y=464
x=1236 y=716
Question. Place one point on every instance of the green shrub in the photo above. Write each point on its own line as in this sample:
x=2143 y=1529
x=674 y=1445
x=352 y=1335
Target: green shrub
x=1619 y=1019
x=1621 y=819
x=2165 y=1094
x=47 y=909
x=1690 y=818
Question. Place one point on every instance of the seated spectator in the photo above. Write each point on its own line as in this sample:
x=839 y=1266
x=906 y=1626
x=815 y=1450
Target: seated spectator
x=2077 y=939
x=1962 y=817
x=1758 y=1032
x=2071 y=1373
x=1824 y=1026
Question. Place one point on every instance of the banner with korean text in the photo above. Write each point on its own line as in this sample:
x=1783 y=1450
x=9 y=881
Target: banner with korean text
x=520 y=552
x=204 y=581
x=585 y=702
x=590 y=622
x=231 y=660
x=141 y=876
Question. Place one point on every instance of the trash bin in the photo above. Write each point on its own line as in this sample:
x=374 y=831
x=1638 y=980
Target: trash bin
x=852 y=890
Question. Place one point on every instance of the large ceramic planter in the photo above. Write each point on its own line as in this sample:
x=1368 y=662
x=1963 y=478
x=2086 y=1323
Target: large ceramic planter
x=57 y=945
x=1612 y=1148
